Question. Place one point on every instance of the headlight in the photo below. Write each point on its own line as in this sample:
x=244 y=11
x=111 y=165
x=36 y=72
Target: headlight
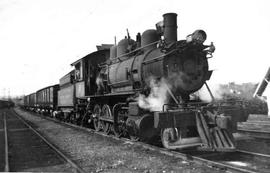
x=199 y=36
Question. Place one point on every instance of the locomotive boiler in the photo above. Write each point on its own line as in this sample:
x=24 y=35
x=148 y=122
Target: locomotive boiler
x=182 y=63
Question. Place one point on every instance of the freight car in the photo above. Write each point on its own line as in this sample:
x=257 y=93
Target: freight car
x=30 y=102
x=141 y=89
x=46 y=99
x=25 y=102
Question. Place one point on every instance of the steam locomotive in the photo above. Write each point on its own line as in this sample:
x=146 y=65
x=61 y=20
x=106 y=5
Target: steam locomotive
x=141 y=89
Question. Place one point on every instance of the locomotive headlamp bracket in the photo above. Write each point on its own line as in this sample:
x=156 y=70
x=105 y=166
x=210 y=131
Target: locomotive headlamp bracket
x=209 y=50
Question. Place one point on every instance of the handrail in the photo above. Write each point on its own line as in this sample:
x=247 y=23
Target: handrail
x=134 y=50
x=198 y=105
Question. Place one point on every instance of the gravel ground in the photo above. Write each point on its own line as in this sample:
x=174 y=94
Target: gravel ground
x=27 y=152
x=2 y=141
x=96 y=153
x=2 y=150
x=253 y=144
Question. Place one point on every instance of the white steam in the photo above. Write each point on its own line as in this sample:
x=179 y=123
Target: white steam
x=204 y=94
x=157 y=98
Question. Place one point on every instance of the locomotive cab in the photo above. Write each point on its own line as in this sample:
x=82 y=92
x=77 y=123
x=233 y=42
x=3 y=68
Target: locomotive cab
x=88 y=69
x=80 y=84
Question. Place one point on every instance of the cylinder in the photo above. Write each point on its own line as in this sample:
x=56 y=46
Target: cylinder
x=170 y=27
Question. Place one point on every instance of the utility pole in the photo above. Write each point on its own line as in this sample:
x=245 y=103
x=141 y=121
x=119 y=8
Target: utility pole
x=261 y=88
x=8 y=93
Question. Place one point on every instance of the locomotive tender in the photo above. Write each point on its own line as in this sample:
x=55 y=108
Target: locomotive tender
x=141 y=89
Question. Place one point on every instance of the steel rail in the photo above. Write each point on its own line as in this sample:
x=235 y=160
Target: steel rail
x=63 y=156
x=6 y=144
x=252 y=153
x=257 y=133
x=177 y=154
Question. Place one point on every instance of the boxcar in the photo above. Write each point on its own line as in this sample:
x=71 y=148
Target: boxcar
x=46 y=99
x=32 y=101
x=26 y=102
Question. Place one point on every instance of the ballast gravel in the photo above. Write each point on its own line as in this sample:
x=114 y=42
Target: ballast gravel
x=97 y=153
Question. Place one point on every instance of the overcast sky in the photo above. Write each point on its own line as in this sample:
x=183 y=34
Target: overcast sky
x=39 y=39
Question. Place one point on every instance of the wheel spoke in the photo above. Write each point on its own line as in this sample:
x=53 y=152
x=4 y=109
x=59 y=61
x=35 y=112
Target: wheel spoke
x=106 y=113
x=85 y=120
x=96 y=114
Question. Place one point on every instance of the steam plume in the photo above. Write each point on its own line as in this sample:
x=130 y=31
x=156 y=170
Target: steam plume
x=216 y=90
x=157 y=98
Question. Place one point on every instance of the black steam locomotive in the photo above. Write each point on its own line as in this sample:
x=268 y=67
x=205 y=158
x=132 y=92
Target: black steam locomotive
x=141 y=89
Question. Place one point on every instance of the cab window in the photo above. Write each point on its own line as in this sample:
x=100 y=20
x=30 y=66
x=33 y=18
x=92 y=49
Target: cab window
x=78 y=72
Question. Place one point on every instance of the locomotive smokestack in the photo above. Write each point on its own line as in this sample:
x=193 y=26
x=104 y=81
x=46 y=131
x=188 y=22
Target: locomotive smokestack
x=170 y=27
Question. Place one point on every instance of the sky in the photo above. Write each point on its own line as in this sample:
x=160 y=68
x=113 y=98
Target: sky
x=39 y=39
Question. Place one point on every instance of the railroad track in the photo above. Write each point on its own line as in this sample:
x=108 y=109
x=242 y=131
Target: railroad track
x=27 y=150
x=256 y=133
x=237 y=161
